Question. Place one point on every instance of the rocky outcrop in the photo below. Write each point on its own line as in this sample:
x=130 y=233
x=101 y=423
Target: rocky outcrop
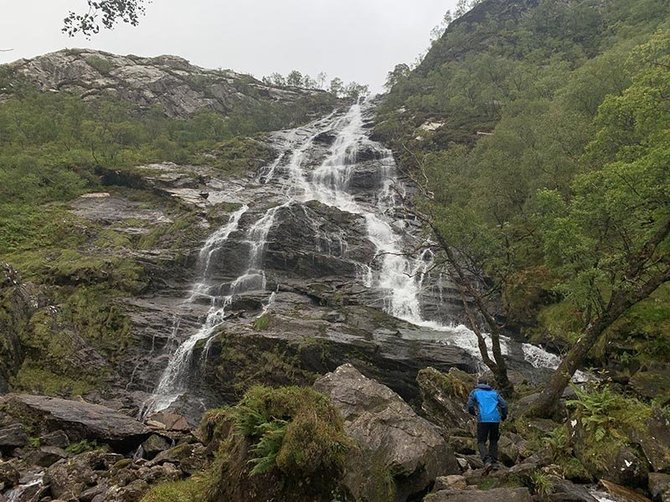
x=79 y=420
x=389 y=435
x=171 y=82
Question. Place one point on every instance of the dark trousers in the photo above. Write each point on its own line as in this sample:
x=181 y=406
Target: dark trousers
x=488 y=431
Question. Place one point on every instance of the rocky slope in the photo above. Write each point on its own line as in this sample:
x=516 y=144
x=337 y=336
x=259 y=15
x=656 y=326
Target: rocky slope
x=170 y=82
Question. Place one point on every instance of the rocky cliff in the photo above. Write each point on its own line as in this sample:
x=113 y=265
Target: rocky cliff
x=170 y=82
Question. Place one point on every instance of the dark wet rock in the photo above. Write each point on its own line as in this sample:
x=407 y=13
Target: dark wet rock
x=387 y=431
x=71 y=477
x=495 y=495
x=629 y=469
x=299 y=343
x=566 y=491
x=154 y=445
x=338 y=242
x=55 y=438
x=46 y=456
x=78 y=419
x=659 y=486
x=13 y=436
x=326 y=138
x=654 y=441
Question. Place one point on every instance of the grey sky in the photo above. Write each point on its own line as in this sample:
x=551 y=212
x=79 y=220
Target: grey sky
x=354 y=39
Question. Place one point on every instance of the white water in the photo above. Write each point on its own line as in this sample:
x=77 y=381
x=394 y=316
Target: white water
x=172 y=383
x=397 y=276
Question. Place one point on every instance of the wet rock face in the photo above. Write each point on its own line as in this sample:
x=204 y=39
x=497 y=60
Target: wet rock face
x=181 y=88
x=313 y=240
x=388 y=432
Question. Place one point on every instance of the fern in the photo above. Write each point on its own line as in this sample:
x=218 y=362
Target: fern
x=266 y=451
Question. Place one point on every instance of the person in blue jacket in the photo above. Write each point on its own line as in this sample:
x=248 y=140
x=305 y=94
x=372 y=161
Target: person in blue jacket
x=490 y=409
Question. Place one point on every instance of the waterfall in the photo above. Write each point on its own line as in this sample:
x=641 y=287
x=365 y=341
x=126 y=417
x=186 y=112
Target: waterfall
x=173 y=382
x=398 y=270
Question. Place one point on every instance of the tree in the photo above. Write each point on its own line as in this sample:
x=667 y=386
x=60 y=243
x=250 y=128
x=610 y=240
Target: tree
x=611 y=240
x=399 y=73
x=336 y=86
x=103 y=12
x=294 y=79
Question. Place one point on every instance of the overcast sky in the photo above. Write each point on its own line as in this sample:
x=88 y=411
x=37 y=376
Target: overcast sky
x=357 y=40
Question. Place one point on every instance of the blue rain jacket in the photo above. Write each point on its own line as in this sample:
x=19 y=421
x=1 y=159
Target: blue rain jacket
x=487 y=404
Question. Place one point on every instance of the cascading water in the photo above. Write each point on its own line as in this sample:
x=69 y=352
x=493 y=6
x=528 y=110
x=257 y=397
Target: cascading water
x=397 y=276
x=172 y=382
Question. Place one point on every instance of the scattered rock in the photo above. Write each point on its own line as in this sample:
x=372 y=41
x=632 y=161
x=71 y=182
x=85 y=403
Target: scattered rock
x=495 y=495
x=388 y=433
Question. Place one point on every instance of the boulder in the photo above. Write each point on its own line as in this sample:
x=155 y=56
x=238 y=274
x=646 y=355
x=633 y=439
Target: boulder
x=659 y=486
x=78 y=419
x=154 y=445
x=55 y=438
x=443 y=397
x=12 y=437
x=654 y=440
x=495 y=495
x=190 y=458
x=390 y=436
x=629 y=469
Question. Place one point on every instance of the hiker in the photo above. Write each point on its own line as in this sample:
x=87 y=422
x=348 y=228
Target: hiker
x=490 y=408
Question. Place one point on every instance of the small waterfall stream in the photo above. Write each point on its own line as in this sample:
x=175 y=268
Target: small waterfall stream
x=397 y=276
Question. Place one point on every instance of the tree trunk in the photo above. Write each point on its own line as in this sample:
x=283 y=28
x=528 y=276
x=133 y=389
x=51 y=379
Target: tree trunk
x=498 y=366
x=622 y=300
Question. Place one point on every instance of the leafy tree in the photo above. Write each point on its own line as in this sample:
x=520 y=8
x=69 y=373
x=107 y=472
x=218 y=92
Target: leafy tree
x=611 y=240
x=336 y=86
x=105 y=13
x=295 y=79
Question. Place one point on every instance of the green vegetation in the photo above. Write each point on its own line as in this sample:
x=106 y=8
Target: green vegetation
x=82 y=446
x=287 y=441
x=188 y=490
x=540 y=143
